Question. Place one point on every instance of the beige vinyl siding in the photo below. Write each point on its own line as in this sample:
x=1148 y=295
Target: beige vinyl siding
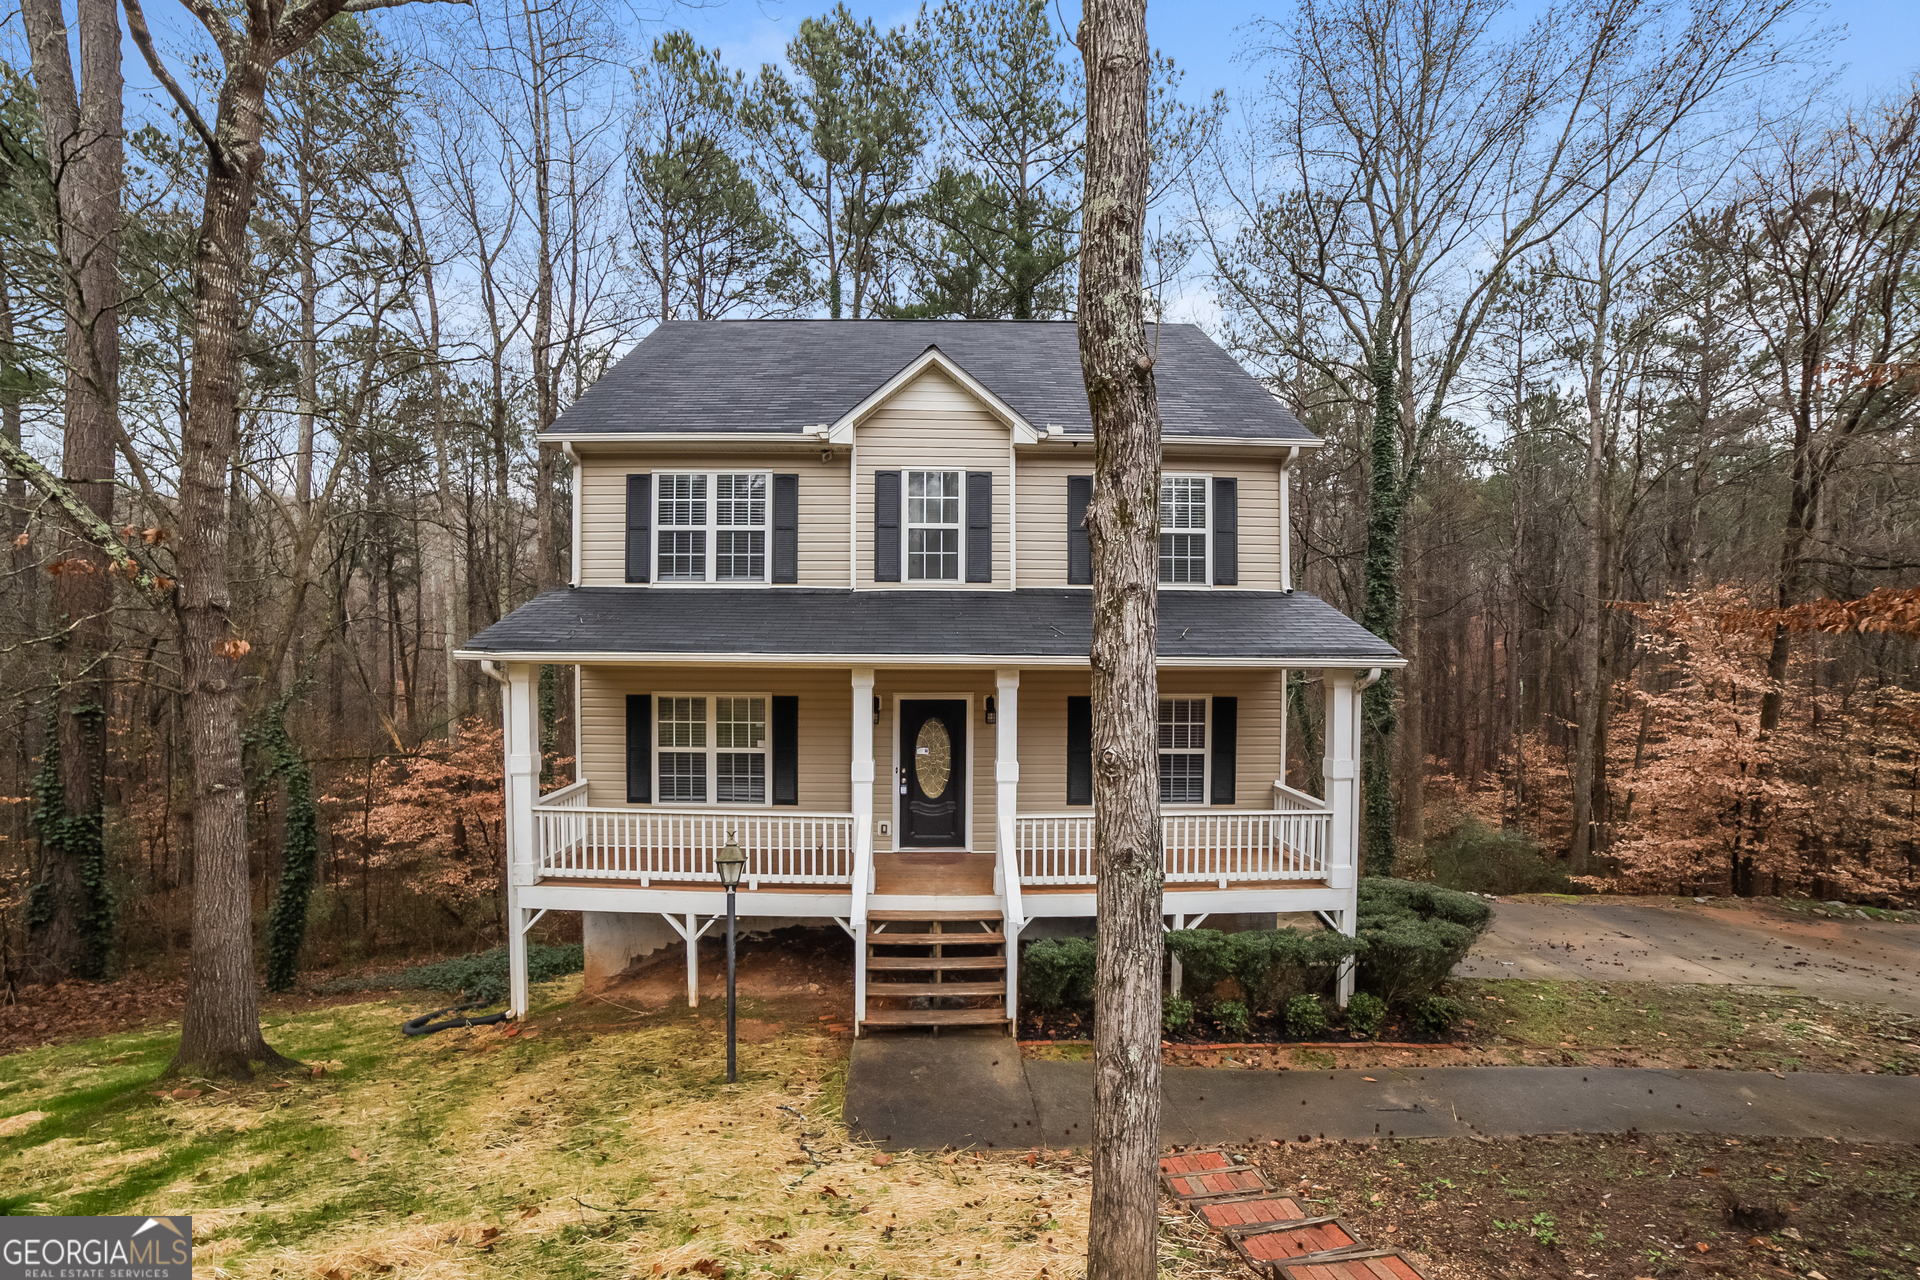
x=826 y=738
x=933 y=422
x=1042 y=508
x=1043 y=730
x=823 y=507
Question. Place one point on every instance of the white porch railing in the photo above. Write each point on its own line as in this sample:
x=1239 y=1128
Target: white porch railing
x=1219 y=845
x=1289 y=800
x=652 y=843
x=571 y=796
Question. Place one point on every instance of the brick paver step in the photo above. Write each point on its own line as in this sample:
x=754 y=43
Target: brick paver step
x=1372 y=1264
x=1208 y=1184
x=1194 y=1161
x=1251 y=1211
x=1275 y=1242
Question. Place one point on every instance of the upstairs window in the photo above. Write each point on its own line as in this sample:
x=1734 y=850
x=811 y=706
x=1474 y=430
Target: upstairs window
x=711 y=527
x=933 y=526
x=1183 y=750
x=1183 y=530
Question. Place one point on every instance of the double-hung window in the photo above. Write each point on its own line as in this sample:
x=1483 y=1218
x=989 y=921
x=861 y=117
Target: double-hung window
x=1183 y=751
x=1183 y=530
x=723 y=757
x=711 y=526
x=933 y=526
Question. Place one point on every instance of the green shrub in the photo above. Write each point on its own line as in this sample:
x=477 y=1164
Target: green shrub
x=1413 y=935
x=481 y=976
x=1437 y=1015
x=1233 y=1017
x=1484 y=859
x=1057 y=971
x=1206 y=956
x=1366 y=1014
x=1176 y=1014
x=1306 y=1016
x=1273 y=965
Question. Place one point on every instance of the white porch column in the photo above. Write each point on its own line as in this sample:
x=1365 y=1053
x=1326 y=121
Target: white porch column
x=862 y=776
x=520 y=716
x=1341 y=769
x=1006 y=785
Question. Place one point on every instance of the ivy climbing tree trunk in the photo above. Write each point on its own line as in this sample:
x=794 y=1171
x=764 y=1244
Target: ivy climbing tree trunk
x=1387 y=497
x=71 y=915
x=1123 y=526
x=220 y=1029
x=300 y=853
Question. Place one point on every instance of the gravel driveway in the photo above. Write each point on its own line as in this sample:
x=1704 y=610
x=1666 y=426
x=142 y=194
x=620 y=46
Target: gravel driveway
x=1722 y=941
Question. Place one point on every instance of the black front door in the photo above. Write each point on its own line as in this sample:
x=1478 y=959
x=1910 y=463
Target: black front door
x=933 y=774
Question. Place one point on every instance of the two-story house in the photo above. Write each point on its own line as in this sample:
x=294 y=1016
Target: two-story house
x=831 y=599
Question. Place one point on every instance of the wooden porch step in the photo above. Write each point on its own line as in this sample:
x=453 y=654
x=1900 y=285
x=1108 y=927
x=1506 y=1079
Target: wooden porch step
x=878 y=989
x=934 y=915
x=936 y=962
x=935 y=939
x=935 y=1018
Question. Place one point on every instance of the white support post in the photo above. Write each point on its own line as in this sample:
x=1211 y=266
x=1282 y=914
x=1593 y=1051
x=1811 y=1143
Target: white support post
x=1006 y=784
x=1341 y=769
x=693 y=962
x=520 y=717
x=862 y=778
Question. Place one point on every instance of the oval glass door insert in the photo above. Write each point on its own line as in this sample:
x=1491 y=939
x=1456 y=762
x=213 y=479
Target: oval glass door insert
x=933 y=758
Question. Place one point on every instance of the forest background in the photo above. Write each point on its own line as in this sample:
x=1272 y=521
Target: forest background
x=1609 y=317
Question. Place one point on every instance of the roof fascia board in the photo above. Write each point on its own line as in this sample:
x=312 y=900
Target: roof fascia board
x=809 y=439
x=1057 y=438
x=841 y=432
x=588 y=658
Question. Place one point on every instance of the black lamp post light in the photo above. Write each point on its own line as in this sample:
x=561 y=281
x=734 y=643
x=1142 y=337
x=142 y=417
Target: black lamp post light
x=730 y=861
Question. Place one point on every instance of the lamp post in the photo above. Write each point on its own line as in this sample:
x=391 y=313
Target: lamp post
x=730 y=861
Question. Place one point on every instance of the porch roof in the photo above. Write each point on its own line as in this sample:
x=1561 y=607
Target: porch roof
x=1032 y=627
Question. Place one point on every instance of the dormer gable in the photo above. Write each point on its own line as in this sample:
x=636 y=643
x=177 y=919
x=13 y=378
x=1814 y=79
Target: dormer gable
x=933 y=359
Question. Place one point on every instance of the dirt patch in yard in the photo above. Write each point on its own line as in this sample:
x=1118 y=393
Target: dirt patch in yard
x=1619 y=1208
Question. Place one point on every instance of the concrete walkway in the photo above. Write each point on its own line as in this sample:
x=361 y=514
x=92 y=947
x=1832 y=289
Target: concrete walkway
x=960 y=1091
x=1663 y=940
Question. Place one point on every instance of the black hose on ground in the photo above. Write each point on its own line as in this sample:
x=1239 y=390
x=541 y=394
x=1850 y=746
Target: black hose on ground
x=424 y=1025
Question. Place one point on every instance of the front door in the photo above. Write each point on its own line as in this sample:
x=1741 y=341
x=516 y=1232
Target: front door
x=933 y=777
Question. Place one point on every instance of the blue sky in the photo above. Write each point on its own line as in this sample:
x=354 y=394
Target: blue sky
x=1879 y=42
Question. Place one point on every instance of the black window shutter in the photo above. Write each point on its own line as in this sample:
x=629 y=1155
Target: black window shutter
x=1079 y=750
x=786 y=749
x=1226 y=532
x=786 y=528
x=979 y=526
x=886 y=526
x=639 y=526
x=1079 y=549
x=639 y=748
x=1226 y=742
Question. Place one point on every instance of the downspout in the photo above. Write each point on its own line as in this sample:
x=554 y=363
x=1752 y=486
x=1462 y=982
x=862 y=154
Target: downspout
x=566 y=447
x=492 y=669
x=1286 y=519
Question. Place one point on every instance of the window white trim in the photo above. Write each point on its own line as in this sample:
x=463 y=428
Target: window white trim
x=711 y=529
x=1206 y=530
x=1165 y=731
x=710 y=749
x=958 y=526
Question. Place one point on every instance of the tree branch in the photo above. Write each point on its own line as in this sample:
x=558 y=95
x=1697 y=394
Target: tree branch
x=137 y=28
x=89 y=525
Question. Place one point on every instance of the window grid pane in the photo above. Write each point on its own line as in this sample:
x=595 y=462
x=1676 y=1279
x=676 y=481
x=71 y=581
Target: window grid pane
x=933 y=526
x=1183 y=508
x=1183 y=750
x=683 y=776
x=683 y=722
x=740 y=723
x=741 y=778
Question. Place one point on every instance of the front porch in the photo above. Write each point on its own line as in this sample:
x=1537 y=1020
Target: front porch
x=1294 y=852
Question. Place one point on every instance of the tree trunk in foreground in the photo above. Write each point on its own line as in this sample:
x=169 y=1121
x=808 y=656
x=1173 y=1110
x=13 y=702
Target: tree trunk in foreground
x=74 y=933
x=1123 y=523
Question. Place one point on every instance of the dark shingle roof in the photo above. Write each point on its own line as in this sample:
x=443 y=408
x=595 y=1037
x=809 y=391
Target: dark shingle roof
x=814 y=624
x=793 y=375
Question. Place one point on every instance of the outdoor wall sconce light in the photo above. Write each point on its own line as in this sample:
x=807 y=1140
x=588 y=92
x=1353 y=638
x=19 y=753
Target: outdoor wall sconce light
x=993 y=715
x=876 y=708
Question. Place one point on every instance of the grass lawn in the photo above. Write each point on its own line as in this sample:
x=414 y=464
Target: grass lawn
x=598 y=1141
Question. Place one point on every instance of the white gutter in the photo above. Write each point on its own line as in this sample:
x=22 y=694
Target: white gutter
x=487 y=665
x=898 y=660
x=566 y=447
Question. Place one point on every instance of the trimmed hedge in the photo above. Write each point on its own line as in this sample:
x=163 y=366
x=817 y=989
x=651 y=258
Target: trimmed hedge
x=1057 y=971
x=1413 y=935
x=1269 y=964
